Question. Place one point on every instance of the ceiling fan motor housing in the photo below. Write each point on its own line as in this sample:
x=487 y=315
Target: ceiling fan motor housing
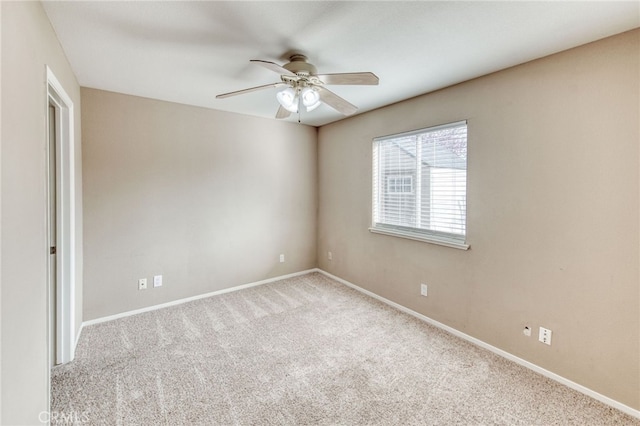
x=298 y=65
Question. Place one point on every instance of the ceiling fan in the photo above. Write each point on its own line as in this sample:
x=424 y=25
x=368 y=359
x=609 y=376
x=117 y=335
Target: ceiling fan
x=303 y=86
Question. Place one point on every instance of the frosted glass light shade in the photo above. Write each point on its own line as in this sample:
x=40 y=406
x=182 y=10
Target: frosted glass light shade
x=310 y=98
x=288 y=98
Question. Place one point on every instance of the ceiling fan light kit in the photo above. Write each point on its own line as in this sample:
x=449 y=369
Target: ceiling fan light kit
x=304 y=85
x=290 y=99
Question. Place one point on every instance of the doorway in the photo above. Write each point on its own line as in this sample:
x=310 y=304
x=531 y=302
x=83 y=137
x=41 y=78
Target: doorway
x=61 y=223
x=52 y=144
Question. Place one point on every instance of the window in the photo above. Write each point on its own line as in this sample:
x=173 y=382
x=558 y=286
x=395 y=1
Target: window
x=420 y=184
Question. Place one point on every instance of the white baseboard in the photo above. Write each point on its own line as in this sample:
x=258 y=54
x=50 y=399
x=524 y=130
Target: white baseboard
x=77 y=339
x=192 y=298
x=553 y=376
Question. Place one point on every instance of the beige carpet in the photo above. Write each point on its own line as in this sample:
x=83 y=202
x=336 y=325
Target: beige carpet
x=305 y=350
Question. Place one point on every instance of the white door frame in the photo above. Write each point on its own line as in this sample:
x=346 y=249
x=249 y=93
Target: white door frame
x=65 y=230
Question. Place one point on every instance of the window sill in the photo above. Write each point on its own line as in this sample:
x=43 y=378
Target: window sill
x=424 y=238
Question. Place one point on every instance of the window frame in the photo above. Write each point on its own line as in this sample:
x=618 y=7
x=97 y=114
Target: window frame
x=452 y=240
x=399 y=177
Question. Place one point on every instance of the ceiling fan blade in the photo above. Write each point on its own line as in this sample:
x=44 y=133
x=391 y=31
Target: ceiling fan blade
x=283 y=112
x=335 y=101
x=364 y=78
x=272 y=66
x=251 y=89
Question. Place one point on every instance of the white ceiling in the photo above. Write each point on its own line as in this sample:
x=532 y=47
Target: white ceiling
x=188 y=52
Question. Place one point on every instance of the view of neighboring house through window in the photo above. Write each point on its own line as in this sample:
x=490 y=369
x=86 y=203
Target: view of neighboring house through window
x=402 y=184
x=420 y=183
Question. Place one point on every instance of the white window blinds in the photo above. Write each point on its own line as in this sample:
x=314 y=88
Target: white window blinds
x=420 y=183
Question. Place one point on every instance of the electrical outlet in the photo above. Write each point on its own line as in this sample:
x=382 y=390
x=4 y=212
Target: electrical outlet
x=545 y=336
x=157 y=280
x=423 y=289
x=329 y=255
x=142 y=284
x=282 y=258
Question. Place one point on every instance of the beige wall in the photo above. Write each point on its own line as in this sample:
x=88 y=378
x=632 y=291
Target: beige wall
x=552 y=213
x=28 y=44
x=207 y=199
